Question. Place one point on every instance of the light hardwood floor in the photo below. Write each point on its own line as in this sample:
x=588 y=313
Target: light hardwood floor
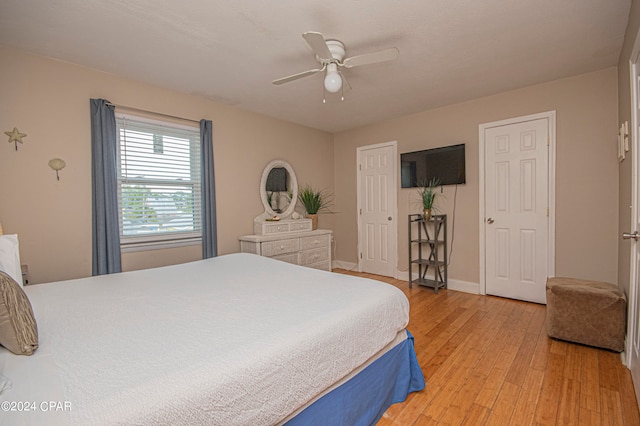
x=488 y=361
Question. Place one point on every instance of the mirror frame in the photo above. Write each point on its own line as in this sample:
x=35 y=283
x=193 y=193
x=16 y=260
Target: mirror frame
x=268 y=211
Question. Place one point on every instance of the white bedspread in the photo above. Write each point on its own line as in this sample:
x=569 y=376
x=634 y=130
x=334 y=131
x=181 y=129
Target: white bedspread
x=235 y=340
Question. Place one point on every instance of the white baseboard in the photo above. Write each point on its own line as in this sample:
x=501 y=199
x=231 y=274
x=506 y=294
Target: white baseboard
x=452 y=284
x=403 y=275
x=465 y=286
x=341 y=264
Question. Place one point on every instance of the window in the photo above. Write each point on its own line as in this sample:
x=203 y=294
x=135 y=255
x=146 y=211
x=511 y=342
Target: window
x=158 y=183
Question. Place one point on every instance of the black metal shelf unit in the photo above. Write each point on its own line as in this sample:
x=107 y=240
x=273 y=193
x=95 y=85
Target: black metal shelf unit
x=428 y=250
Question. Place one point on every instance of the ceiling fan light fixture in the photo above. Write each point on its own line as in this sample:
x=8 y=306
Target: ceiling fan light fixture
x=332 y=81
x=330 y=54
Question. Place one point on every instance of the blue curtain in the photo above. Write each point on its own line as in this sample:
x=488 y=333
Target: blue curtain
x=209 y=232
x=106 y=232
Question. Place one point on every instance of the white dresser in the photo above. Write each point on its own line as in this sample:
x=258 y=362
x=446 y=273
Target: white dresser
x=308 y=248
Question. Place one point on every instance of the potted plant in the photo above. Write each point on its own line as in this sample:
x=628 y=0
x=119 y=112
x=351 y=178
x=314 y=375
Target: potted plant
x=428 y=195
x=314 y=201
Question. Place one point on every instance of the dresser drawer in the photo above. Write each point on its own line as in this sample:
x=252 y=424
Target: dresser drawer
x=300 y=225
x=274 y=248
x=289 y=258
x=276 y=228
x=314 y=241
x=308 y=257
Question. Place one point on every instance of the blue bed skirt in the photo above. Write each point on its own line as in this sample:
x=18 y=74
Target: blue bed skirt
x=364 y=399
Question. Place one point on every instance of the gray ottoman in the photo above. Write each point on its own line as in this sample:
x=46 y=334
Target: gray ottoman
x=589 y=312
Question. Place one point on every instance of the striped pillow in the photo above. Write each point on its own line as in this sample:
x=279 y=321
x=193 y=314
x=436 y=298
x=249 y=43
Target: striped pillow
x=18 y=328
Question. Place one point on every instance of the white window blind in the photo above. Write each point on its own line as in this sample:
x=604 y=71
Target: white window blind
x=158 y=182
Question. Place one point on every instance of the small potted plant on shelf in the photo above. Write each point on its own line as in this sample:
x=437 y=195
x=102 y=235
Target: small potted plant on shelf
x=314 y=201
x=428 y=195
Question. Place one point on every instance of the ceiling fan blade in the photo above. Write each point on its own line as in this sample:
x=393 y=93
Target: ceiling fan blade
x=371 y=58
x=296 y=76
x=318 y=44
x=345 y=83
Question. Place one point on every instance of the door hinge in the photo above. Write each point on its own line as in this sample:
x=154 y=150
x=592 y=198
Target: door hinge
x=360 y=255
x=547 y=211
x=360 y=167
x=360 y=211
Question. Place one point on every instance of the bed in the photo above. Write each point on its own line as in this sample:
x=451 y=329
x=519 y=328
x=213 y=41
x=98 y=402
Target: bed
x=238 y=339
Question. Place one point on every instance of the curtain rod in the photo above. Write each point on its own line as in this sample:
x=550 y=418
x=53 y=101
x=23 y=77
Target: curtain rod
x=151 y=112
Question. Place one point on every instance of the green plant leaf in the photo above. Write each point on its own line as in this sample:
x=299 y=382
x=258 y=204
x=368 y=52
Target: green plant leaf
x=428 y=193
x=313 y=200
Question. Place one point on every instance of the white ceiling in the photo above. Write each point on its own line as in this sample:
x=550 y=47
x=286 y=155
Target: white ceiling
x=230 y=51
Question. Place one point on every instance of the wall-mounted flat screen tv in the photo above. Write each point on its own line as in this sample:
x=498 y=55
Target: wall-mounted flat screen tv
x=445 y=163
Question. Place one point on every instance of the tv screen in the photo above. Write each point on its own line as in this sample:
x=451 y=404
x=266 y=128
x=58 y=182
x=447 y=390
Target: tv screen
x=447 y=164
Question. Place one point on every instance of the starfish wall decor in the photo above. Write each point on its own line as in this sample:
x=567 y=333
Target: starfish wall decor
x=15 y=136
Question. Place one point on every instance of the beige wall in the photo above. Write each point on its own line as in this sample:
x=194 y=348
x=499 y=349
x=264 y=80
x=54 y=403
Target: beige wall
x=586 y=183
x=49 y=101
x=624 y=112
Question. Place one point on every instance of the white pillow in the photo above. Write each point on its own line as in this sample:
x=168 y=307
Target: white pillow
x=10 y=257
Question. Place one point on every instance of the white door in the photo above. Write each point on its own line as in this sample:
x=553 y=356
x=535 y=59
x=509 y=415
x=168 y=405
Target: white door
x=377 y=207
x=633 y=321
x=516 y=215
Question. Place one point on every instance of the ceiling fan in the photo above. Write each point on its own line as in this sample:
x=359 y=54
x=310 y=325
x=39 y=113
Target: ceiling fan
x=330 y=54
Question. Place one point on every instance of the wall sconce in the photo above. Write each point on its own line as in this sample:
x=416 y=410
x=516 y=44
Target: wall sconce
x=57 y=164
x=15 y=136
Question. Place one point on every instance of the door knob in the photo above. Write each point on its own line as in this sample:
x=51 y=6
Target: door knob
x=389 y=218
x=629 y=235
x=490 y=220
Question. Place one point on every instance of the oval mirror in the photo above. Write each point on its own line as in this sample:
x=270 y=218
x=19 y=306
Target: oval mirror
x=278 y=189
